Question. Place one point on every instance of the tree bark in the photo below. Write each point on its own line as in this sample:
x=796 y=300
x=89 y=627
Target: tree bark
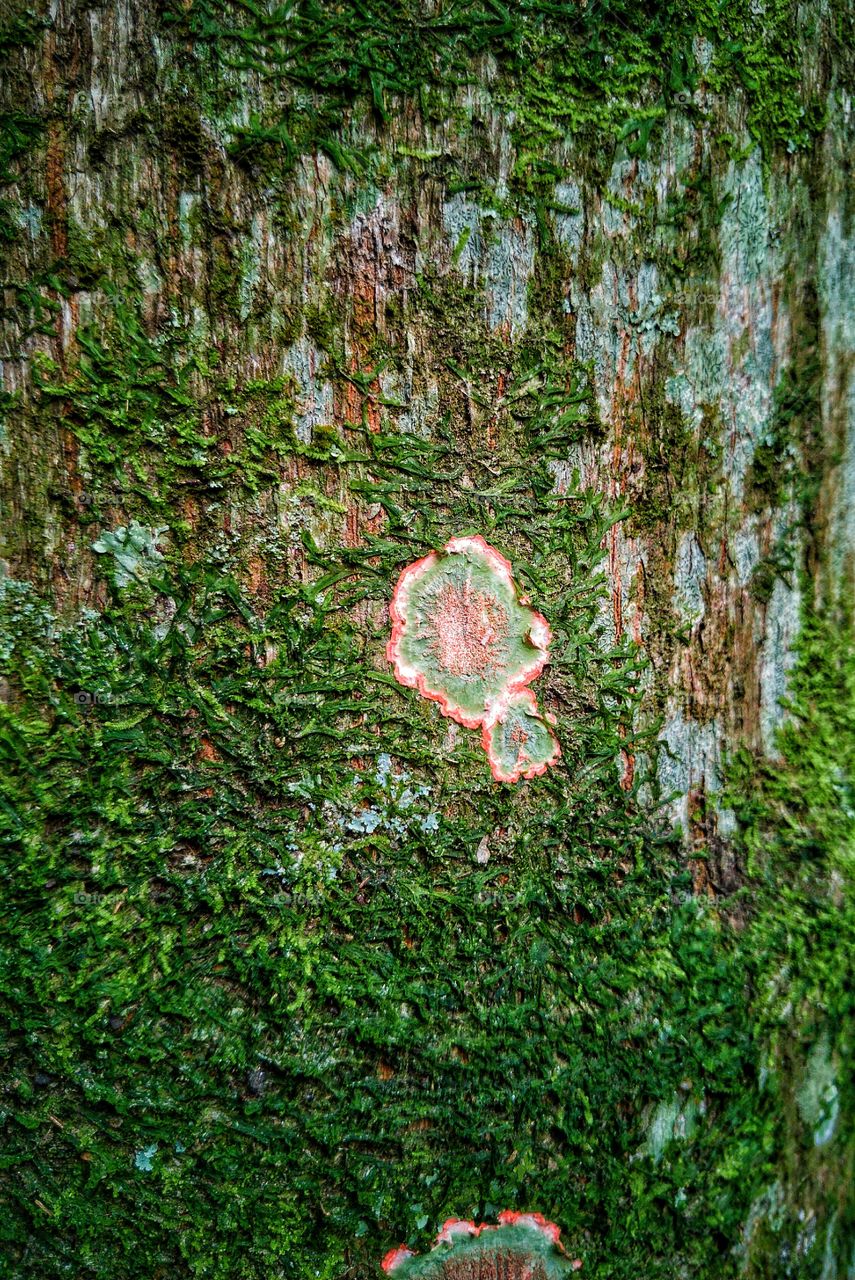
x=210 y=293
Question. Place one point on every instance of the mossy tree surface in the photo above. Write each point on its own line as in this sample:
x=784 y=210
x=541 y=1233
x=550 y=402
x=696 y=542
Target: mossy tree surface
x=291 y=297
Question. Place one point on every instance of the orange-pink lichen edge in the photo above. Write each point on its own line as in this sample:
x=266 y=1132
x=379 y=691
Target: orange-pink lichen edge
x=457 y=1227
x=496 y=714
x=539 y=634
x=395 y=1257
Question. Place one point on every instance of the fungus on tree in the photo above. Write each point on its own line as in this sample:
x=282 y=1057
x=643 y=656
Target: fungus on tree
x=523 y=1246
x=465 y=638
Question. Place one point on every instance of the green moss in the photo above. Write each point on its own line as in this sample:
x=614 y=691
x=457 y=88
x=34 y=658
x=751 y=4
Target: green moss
x=224 y=277
x=292 y=828
x=275 y=960
x=19 y=133
x=290 y=978
x=797 y=833
x=180 y=127
x=260 y=1021
x=128 y=400
x=602 y=73
x=323 y=326
x=789 y=462
x=131 y=402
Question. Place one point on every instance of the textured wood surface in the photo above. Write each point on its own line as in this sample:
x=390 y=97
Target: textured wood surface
x=397 y=989
x=683 y=369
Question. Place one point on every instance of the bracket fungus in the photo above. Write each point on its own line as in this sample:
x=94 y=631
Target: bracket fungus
x=465 y=638
x=523 y=1246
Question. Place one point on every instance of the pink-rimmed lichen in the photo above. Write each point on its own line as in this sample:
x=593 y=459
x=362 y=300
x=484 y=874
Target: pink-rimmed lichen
x=521 y=1246
x=465 y=638
x=518 y=740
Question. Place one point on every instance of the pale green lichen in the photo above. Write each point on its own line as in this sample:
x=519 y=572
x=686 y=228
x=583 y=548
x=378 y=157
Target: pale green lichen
x=134 y=551
x=465 y=638
x=520 y=1247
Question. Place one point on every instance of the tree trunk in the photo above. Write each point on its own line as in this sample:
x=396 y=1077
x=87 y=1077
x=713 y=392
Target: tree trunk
x=292 y=297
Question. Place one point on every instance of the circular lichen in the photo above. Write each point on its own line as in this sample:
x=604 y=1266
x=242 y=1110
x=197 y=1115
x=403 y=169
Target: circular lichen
x=523 y=1246
x=518 y=740
x=465 y=638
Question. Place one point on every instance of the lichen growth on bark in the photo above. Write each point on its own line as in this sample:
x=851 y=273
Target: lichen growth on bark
x=521 y=1246
x=465 y=638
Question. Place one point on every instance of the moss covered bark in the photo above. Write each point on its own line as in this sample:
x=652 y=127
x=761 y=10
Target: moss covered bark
x=290 y=297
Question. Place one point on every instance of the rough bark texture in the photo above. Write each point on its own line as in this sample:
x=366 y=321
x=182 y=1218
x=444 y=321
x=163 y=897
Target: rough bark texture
x=273 y=327
x=703 y=572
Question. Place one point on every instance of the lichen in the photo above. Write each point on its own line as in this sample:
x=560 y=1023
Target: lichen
x=517 y=738
x=520 y=1245
x=134 y=550
x=465 y=638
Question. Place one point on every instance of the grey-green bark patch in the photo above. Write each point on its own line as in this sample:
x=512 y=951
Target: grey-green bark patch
x=673 y=1120
x=818 y=1095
